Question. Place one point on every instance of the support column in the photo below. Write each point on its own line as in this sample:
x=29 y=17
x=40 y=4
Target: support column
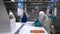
x=5 y=25
x=55 y=10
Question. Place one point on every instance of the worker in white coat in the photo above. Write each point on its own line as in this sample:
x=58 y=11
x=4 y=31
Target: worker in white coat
x=12 y=17
x=41 y=16
x=45 y=21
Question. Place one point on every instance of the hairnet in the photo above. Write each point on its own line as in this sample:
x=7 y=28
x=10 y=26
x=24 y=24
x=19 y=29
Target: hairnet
x=41 y=12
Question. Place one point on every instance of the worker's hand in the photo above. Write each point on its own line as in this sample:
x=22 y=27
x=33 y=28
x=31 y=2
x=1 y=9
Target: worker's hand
x=32 y=24
x=52 y=26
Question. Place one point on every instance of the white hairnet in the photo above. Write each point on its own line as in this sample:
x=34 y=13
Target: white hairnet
x=41 y=12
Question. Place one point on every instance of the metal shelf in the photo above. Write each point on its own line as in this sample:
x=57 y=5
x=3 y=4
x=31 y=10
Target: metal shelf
x=38 y=2
x=31 y=2
x=10 y=2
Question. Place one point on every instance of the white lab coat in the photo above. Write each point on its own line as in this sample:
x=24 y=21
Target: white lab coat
x=13 y=17
x=41 y=16
x=12 y=20
x=45 y=20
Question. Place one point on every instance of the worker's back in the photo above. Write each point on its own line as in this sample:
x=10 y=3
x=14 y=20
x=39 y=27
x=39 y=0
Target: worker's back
x=45 y=21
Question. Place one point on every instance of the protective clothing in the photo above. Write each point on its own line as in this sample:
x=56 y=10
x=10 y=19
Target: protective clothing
x=45 y=21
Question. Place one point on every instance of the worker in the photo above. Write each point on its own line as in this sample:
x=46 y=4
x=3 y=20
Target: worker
x=24 y=18
x=12 y=17
x=45 y=21
x=41 y=16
